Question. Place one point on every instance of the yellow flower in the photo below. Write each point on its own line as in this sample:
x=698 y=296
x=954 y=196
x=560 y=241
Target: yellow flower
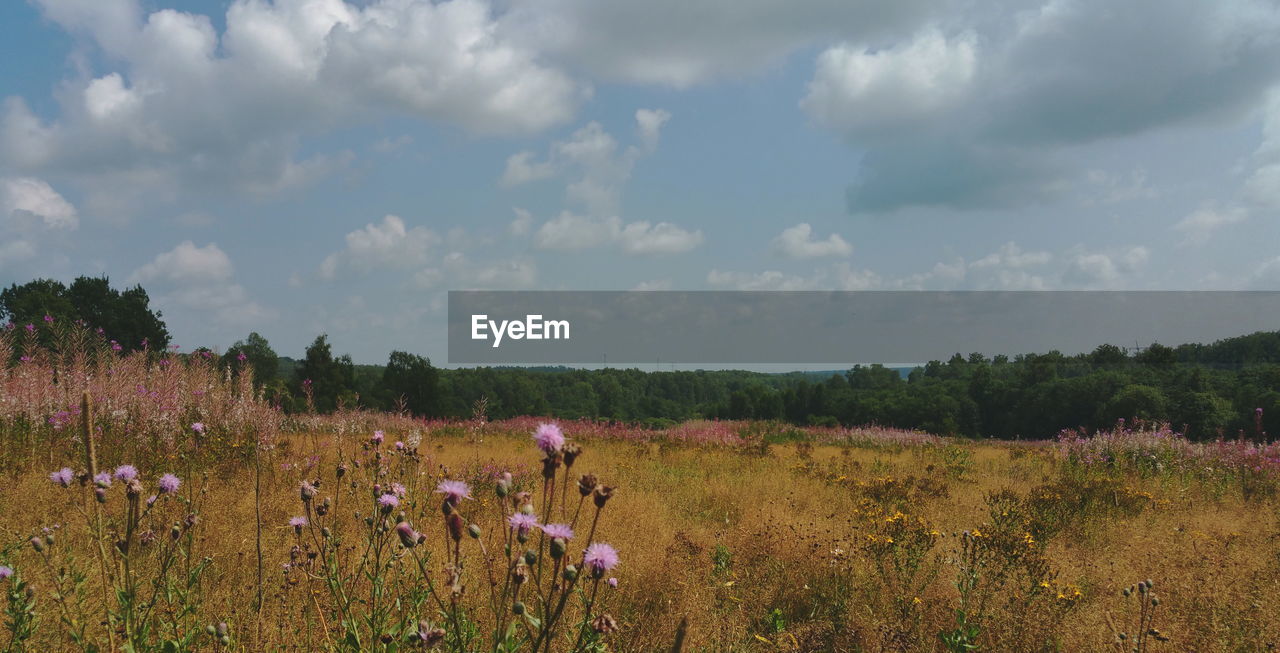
x=916 y=600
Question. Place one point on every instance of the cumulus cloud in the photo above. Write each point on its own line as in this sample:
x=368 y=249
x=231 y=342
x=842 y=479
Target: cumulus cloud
x=28 y=198
x=680 y=43
x=1199 y=225
x=855 y=88
x=522 y=224
x=191 y=107
x=591 y=159
x=982 y=115
x=570 y=231
x=202 y=280
x=386 y=244
x=799 y=242
x=1105 y=270
x=462 y=273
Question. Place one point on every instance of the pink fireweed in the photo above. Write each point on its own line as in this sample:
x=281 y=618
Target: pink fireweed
x=549 y=438
x=599 y=558
x=63 y=477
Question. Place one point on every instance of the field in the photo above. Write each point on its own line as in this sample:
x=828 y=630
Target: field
x=376 y=531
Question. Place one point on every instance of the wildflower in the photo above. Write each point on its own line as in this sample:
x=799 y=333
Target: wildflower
x=558 y=531
x=453 y=491
x=408 y=536
x=427 y=635
x=63 y=477
x=377 y=438
x=49 y=319
x=399 y=445
x=5 y=572
x=521 y=522
x=398 y=489
x=599 y=558
x=388 y=501
x=307 y=491
x=613 y=582
x=198 y=427
x=549 y=438
x=169 y=484
x=242 y=357
x=587 y=484
x=298 y=523
x=37 y=544
x=102 y=480
x=126 y=473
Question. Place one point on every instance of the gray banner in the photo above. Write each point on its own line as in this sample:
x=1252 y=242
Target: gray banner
x=838 y=328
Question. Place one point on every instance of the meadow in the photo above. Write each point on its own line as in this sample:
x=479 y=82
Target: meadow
x=154 y=502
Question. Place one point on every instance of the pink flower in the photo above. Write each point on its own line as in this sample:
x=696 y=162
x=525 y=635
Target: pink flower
x=599 y=558
x=549 y=438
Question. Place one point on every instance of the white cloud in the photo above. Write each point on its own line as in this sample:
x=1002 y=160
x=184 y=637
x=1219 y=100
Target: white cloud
x=681 y=43
x=856 y=88
x=1105 y=270
x=187 y=263
x=201 y=279
x=1199 y=225
x=522 y=224
x=650 y=122
x=799 y=242
x=386 y=244
x=767 y=280
x=189 y=107
x=596 y=168
x=662 y=238
x=27 y=197
x=570 y=232
x=654 y=284
x=1011 y=256
x=461 y=273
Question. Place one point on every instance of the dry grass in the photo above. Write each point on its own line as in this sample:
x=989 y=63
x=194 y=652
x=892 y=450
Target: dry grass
x=767 y=549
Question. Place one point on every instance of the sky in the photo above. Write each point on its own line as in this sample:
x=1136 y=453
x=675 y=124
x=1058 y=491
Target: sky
x=300 y=167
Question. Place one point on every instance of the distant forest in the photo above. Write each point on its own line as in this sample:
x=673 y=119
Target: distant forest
x=1208 y=390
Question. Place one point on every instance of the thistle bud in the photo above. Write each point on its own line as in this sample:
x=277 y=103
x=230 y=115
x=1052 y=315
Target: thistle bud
x=341 y=470
x=37 y=544
x=570 y=573
x=558 y=548
x=408 y=537
x=587 y=484
x=326 y=533
x=602 y=494
x=175 y=532
x=571 y=453
x=474 y=531
x=530 y=557
x=133 y=488
x=520 y=574
x=454 y=522
x=604 y=624
x=306 y=492
x=517 y=608
x=100 y=494
x=222 y=629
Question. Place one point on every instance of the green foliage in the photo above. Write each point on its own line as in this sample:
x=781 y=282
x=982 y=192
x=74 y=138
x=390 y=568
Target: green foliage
x=124 y=316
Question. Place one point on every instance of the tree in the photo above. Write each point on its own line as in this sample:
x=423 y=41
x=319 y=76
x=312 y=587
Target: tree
x=330 y=378
x=257 y=354
x=412 y=378
x=125 y=317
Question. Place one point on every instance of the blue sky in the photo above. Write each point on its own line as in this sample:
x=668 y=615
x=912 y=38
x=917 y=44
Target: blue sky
x=305 y=166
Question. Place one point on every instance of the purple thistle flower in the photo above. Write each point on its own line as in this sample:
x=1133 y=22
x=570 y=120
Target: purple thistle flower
x=198 y=427
x=102 y=480
x=398 y=489
x=562 y=531
x=600 y=557
x=5 y=572
x=377 y=437
x=297 y=522
x=613 y=582
x=549 y=438
x=63 y=477
x=399 y=446
x=522 y=522
x=388 y=501
x=169 y=484
x=126 y=473
x=454 y=491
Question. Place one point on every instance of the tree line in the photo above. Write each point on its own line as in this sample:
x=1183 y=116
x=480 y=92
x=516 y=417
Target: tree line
x=1209 y=390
